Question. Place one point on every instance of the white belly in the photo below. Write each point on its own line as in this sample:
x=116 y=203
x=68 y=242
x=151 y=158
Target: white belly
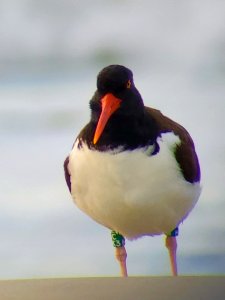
x=131 y=192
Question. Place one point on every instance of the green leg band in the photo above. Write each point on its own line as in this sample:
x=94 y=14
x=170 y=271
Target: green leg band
x=117 y=239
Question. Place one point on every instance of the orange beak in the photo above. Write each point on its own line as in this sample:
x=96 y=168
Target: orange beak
x=109 y=105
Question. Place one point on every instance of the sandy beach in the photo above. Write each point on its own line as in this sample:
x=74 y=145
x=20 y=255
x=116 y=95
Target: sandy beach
x=183 y=287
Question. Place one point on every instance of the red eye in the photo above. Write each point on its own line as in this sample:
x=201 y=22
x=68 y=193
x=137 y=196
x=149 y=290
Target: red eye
x=128 y=84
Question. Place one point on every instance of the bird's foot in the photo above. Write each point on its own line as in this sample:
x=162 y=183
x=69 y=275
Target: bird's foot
x=120 y=251
x=171 y=244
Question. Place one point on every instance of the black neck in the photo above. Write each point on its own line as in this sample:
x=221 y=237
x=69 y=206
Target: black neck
x=128 y=132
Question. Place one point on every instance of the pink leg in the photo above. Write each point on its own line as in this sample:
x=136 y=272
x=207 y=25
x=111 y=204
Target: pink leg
x=171 y=244
x=121 y=255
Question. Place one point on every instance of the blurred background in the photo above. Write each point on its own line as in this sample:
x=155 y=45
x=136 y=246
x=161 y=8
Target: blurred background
x=50 y=54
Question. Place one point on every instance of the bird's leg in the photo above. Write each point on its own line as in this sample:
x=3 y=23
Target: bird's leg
x=120 y=251
x=121 y=255
x=171 y=244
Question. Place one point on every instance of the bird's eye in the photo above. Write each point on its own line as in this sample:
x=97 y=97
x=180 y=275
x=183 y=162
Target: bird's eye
x=128 y=84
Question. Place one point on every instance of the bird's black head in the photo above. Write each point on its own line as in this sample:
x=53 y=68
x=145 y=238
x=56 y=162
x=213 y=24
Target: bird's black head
x=114 y=79
x=116 y=100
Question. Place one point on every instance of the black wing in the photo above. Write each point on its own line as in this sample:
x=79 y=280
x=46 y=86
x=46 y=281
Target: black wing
x=185 y=153
x=67 y=174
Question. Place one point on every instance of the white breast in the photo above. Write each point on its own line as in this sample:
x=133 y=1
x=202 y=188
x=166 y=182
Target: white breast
x=132 y=192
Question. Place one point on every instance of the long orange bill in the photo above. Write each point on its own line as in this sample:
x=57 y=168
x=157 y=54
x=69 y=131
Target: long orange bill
x=109 y=105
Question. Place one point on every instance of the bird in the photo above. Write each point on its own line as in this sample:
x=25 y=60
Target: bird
x=131 y=168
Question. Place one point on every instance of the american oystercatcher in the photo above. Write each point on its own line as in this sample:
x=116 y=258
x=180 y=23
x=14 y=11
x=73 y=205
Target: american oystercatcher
x=131 y=168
